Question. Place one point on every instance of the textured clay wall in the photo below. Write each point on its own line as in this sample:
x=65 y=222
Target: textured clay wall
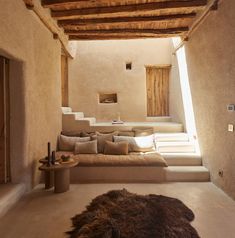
x=211 y=60
x=34 y=88
x=100 y=67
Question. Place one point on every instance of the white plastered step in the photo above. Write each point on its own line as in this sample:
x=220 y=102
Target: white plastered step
x=161 y=137
x=175 y=147
x=182 y=159
x=187 y=174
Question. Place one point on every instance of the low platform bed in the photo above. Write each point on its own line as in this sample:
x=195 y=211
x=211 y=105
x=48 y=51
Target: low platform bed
x=134 y=167
x=128 y=166
x=127 y=159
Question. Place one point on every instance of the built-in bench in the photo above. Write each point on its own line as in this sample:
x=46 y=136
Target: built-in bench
x=134 y=167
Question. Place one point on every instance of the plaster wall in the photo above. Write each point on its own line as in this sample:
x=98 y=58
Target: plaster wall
x=211 y=57
x=35 y=93
x=100 y=67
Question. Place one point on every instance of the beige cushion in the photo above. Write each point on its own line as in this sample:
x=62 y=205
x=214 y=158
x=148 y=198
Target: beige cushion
x=116 y=148
x=101 y=138
x=143 y=131
x=114 y=133
x=89 y=147
x=126 y=133
x=67 y=143
x=133 y=159
x=71 y=134
x=139 y=144
x=86 y=134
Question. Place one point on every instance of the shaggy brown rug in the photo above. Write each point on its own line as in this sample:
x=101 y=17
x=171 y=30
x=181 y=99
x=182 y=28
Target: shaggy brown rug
x=121 y=214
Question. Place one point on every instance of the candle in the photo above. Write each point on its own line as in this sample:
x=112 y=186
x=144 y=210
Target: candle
x=53 y=157
x=119 y=118
x=48 y=153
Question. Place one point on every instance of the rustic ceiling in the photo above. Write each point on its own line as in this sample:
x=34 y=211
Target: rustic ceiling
x=124 y=19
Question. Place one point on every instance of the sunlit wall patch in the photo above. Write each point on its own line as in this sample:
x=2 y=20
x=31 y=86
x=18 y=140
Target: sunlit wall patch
x=186 y=93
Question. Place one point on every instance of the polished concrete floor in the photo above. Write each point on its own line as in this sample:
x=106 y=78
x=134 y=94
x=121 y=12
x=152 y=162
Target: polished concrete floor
x=47 y=215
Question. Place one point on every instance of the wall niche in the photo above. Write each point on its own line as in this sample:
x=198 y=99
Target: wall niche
x=107 y=98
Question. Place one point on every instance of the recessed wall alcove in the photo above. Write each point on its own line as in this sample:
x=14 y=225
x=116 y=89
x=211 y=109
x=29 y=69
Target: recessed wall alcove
x=108 y=98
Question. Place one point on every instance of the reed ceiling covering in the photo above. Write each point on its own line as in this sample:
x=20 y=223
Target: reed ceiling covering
x=124 y=19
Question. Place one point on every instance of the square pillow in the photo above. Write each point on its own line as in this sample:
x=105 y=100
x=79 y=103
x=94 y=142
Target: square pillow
x=114 y=133
x=86 y=134
x=126 y=133
x=101 y=138
x=116 y=148
x=89 y=147
x=71 y=134
x=138 y=144
x=143 y=131
x=67 y=143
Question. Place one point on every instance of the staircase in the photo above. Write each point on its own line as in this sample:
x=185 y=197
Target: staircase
x=76 y=121
x=184 y=163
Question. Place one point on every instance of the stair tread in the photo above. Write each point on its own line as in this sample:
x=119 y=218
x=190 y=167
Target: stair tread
x=187 y=169
x=174 y=143
x=86 y=118
x=159 y=119
x=181 y=155
x=158 y=134
x=139 y=124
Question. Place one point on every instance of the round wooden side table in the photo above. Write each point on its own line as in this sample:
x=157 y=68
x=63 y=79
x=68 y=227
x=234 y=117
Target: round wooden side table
x=48 y=175
x=61 y=174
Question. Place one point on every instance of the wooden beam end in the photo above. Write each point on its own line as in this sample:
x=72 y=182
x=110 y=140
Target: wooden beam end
x=55 y=36
x=214 y=7
x=29 y=6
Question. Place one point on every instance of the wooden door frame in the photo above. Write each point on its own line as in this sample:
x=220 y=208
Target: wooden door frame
x=64 y=81
x=6 y=118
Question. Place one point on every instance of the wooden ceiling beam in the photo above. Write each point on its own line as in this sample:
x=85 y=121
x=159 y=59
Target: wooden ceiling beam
x=143 y=7
x=110 y=20
x=57 y=3
x=118 y=37
x=127 y=31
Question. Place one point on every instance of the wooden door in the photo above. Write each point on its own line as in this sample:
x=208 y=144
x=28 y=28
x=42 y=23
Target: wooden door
x=157 y=82
x=4 y=121
x=64 y=80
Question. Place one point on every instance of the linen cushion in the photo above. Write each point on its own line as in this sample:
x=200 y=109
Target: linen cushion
x=116 y=148
x=143 y=131
x=138 y=144
x=89 y=147
x=101 y=138
x=132 y=159
x=126 y=133
x=71 y=134
x=86 y=134
x=67 y=143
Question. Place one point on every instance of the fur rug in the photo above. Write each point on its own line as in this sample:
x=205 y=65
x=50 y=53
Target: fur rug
x=120 y=214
